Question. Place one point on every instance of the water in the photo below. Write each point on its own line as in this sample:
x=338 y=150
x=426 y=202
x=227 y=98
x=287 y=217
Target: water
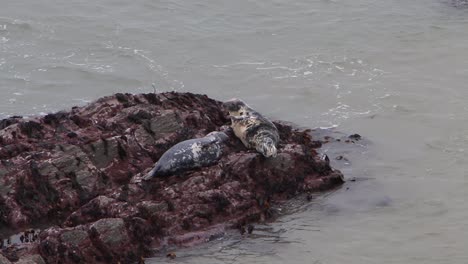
x=393 y=71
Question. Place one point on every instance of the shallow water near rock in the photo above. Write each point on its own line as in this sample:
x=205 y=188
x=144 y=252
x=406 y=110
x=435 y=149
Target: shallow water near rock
x=393 y=71
x=21 y=238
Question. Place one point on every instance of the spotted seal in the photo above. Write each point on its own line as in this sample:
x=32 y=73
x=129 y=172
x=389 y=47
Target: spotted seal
x=253 y=129
x=189 y=154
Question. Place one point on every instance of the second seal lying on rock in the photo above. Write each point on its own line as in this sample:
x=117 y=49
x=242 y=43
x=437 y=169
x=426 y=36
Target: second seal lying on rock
x=189 y=154
x=253 y=129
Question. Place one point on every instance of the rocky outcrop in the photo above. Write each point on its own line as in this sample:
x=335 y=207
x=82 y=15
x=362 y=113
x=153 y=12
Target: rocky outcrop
x=79 y=174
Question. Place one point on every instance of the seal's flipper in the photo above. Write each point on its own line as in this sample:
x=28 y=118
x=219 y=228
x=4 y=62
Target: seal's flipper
x=150 y=174
x=266 y=146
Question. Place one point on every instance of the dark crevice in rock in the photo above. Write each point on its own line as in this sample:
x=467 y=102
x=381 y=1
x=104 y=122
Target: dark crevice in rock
x=139 y=117
x=31 y=129
x=152 y=98
x=55 y=118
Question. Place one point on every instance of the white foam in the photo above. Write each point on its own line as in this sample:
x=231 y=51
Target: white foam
x=329 y=127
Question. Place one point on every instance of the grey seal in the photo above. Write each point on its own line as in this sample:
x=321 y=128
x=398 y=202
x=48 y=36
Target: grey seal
x=189 y=154
x=254 y=130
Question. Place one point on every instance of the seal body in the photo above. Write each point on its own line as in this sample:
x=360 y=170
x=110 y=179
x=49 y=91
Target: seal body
x=189 y=154
x=254 y=130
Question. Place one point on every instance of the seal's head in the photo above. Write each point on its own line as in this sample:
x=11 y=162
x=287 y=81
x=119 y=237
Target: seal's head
x=236 y=107
x=220 y=136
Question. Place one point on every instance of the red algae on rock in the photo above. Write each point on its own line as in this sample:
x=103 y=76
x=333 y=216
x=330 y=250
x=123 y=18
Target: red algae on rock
x=80 y=172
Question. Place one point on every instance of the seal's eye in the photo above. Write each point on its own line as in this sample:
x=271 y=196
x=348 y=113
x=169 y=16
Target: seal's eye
x=241 y=113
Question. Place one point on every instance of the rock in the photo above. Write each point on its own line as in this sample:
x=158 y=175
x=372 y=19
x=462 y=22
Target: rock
x=355 y=137
x=154 y=207
x=111 y=232
x=103 y=152
x=74 y=237
x=80 y=171
x=4 y=260
x=168 y=122
x=99 y=207
x=31 y=259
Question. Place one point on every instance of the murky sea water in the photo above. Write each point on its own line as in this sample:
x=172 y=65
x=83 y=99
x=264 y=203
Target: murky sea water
x=394 y=71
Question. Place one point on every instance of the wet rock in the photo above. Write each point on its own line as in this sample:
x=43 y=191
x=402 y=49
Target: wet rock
x=250 y=229
x=81 y=170
x=355 y=137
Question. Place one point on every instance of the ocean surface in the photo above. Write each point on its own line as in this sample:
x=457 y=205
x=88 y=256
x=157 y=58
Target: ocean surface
x=394 y=71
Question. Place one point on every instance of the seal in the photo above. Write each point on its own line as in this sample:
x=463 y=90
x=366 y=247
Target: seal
x=189 y=154
x=254 y=130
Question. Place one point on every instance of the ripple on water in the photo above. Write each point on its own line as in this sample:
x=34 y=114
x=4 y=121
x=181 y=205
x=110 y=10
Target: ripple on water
x=66 y=71
x=351 y=86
